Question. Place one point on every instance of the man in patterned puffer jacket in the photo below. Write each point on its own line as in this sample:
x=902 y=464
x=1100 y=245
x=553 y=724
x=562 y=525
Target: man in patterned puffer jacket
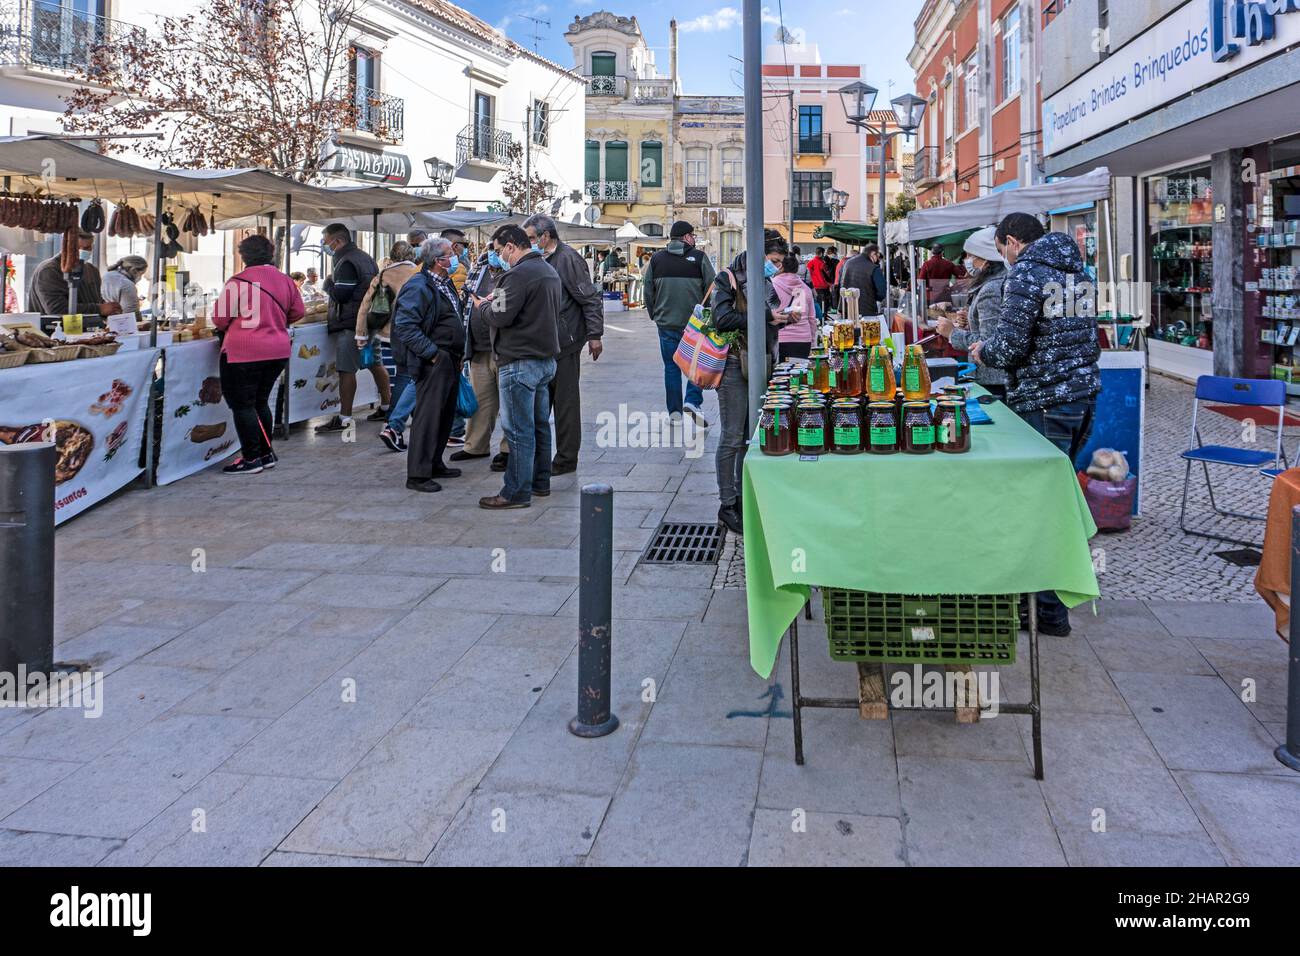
x=1047 y=341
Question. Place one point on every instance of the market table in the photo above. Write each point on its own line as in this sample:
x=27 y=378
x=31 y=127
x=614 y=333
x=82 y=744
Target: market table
x=1008 y=517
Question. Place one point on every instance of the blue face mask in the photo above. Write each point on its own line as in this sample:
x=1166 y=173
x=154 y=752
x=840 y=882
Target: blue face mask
x=536 y=247
x=769 y=269
x=453 y=265
x=495 y=261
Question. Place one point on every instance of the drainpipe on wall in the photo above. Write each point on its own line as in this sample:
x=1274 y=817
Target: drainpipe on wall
x=984 y=79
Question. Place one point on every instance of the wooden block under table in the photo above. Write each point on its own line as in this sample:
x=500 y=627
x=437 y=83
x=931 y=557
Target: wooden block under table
x=967 y=711
x=873 y=702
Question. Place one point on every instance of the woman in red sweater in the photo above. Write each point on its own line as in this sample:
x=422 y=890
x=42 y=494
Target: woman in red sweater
x=252 y=315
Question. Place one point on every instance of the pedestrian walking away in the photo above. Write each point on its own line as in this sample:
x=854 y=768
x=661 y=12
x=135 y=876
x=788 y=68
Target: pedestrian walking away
x=864 y=273
x=379 y=307
x=1050 y=350
x=255 y=349
x=482 y=364
x=346 y=287
x=428 y=322
x=729 y=315
x=795 y=300
x=581 y=321
x=676 y=280
x=522 y=315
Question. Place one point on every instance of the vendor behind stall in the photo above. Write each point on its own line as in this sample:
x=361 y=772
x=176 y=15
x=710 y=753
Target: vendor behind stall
x=119 y=285
x=48 y=291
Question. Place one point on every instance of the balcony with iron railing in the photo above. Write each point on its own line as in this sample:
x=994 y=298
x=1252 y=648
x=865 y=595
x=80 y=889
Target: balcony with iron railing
x=733 y=195
x=380 y=115
x=697 y=195
x=926 y=165
x=815 y=144
x=632 y=88
x=46 y=35
x=819 y=212
x=611 y=190
x=607 y=86
x=483 y=143
x=872 y=167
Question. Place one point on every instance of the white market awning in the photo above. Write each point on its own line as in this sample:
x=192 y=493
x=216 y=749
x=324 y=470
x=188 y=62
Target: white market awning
x=991 y=209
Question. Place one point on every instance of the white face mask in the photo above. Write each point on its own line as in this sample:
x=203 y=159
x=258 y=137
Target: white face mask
x=969 y=263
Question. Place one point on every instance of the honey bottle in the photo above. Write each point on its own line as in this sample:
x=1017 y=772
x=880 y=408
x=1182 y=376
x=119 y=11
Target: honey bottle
x=880 y=375
x=916 y=375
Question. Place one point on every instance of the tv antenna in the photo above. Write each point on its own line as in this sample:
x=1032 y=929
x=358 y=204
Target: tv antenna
x=538 y=23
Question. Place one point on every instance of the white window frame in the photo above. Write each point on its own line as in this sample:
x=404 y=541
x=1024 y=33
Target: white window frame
x=971 y=92
x=543 y=109
x=733 y=166
x=1010 y=43
x=695 y=166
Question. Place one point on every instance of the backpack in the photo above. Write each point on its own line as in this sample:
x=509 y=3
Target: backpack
x=381 y=305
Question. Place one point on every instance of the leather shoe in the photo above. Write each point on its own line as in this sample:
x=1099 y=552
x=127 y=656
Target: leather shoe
x=730 y=517
x=423 y=484
x=446 y=473
x=465 y=456
x=563 y=469
x=541 y=492
x=499 y=461
x=497 y=503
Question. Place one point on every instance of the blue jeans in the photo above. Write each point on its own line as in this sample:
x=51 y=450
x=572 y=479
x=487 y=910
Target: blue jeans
x=526 y=421
x=668 y=342
x=403 y=401
x=1068 y=427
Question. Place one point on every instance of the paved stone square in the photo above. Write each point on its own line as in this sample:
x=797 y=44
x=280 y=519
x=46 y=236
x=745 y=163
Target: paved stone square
x=362 y=675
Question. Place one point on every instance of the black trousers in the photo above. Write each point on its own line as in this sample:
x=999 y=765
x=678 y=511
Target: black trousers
x=247 y=388
x=785 y=350
x=435 y=407
x=566 y=401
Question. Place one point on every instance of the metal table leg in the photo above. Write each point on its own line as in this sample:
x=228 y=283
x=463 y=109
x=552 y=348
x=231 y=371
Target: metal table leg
x=1035 y=708
x=796 y=702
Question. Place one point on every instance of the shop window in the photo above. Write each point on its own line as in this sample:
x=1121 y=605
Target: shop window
x=1272 y=314
x=1180 y=246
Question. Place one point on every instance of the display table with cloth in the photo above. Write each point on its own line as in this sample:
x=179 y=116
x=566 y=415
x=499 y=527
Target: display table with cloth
x=1008 y=517
x=1273 y=579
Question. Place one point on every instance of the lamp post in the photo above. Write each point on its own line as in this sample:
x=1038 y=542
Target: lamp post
x=440 y=172
x=857 y=99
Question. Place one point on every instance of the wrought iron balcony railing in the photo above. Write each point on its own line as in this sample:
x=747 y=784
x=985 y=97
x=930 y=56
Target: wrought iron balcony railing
x=925 y=167
x=697 y=195
x=611 y=190
x=380 y=114
x=803 y=212
x=48 y=35
x=815 y=144
x=733 y=195
x=607 y=86
x=485 y=143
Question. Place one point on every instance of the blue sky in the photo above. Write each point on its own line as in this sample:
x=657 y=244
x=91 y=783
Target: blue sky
x=877 y=33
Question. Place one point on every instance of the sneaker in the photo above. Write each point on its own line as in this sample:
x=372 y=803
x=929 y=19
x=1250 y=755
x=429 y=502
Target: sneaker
x=696 y=413
x=427 y=485
x=241 y=466
x=336 y=424
x=455 y=441
x=1054 y=630
x=729 y=516
x=269 y=460
x=500 y=461
x=393 y=439
x=380 y=414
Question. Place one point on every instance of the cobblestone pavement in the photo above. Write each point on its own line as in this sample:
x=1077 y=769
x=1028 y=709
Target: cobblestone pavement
x=1155 y=559
x=362 y=675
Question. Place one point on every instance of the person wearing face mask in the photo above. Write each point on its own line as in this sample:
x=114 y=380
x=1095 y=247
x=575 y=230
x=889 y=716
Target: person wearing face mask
x=482 y=364
x=1049 y=349
x=47 y=292
x=400 y=397
x=984 y=315
x=525 y=340
x=119 y=285
x=354 y=270
x=427 y=319
x=581 y=321
x=730 y=290
x=675 y=282
x=458 y=271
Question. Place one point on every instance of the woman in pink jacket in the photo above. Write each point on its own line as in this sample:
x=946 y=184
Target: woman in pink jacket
x=794 y=340
x=252 y=315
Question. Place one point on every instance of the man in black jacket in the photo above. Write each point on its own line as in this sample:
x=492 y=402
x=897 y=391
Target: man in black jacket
x=353 y=272
x=427 y=320
x=863 y=272
x=581 y=320
x=522 y=314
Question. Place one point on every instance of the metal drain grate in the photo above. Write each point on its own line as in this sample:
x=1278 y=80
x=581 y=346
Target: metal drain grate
x=676 y=543
x=1241 y=557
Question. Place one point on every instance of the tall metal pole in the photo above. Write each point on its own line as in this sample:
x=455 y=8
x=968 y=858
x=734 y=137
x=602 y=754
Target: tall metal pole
x=528 y=160
x=755 y=292
x=880 y=229
x=790 y=205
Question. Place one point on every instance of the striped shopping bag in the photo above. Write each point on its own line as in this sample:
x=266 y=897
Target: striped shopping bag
x=701 y=354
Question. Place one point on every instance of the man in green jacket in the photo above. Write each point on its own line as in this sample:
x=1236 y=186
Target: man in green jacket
x=676 y=281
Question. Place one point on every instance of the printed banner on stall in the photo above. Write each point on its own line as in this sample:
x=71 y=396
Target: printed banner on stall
x=314 y=377
x=93 y=410
x=198 y=429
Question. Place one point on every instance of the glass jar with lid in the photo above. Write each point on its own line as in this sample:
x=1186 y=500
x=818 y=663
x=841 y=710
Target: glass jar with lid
x=846 y=431
x=776 y=427
x=952 y=427
x=811 y=436
x=917 y=429
x=882 y=428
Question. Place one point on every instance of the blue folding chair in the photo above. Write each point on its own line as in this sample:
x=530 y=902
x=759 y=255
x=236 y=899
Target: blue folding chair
x=1262 y=393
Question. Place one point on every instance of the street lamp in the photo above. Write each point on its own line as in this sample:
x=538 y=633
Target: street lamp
x=857 y=99
x=440 y=172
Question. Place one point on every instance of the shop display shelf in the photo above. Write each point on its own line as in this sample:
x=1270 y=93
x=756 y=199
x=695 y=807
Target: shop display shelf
x=869 y=627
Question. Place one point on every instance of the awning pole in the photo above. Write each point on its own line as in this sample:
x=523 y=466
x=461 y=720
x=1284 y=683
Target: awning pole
x=288 y=228
x=374 y=234
x=916 y=293
x=754 y=251
x=156 y=283
x=1113 y=262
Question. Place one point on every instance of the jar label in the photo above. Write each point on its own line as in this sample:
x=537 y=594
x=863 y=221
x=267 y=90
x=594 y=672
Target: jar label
x=922 y=434
x=884 y=436
x=911 y=379
x=812 y=437
x=832 y=378
x=848 y=436
x=762 y=438
x=877 y=379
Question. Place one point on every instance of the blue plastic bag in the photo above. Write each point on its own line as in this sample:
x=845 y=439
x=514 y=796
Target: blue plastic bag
x=466 y=400
x=367 y=354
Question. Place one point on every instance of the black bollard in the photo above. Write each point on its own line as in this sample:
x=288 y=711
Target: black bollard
x=27 y=557
x=596 y=560
x=1289 y=753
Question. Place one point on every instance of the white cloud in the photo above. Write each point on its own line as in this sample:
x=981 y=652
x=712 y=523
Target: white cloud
x=724 y=18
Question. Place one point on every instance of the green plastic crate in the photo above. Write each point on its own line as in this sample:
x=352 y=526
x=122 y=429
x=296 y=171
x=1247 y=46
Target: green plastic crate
x=864 y=626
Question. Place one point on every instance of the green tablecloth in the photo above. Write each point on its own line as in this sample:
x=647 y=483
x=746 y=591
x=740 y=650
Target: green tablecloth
x=1008 y=517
